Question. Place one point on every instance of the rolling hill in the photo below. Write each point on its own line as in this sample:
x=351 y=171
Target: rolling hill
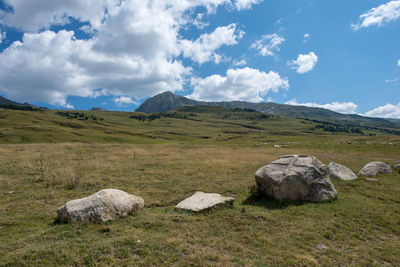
x=9 y=104
x=168 y=101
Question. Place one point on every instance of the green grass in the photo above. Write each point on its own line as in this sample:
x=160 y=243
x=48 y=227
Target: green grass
x=167 y=160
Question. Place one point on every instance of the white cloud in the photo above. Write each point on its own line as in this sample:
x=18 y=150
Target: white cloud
x=133 y=50
x=279 y=21
x=39 y=68
x=246 y=4
x=304 y=62
x=268 y=44
x=3 y=36
x=245 y=84
x=48 y=67
x=306 y=37
x=241 y=62
x=134 y=47
x=124 y=100
x=398 y=63
x=379 y=16
x=34 y=15
x=341 y=107
x=203 y=49
x=386 y=111
x=199 y=23
x=391 y=81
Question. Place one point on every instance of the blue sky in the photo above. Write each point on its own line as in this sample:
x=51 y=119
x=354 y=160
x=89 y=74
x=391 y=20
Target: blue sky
x=341 y=55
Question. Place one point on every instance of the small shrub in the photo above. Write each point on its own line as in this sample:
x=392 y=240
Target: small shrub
x=73 y=181
x=40 y=166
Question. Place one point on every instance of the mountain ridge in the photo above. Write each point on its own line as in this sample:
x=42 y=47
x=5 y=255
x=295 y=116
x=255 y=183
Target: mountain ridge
x=5 y=102
x=9 y=104
x=168 y=101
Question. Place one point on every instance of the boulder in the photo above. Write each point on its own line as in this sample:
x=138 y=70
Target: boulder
x=202 y=201
x=340 y=172
x=375 y=168
x=396 y=167
x=103 y=206
x=295 y=177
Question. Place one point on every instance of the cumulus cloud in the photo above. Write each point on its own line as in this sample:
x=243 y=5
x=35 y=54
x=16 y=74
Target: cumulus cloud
x=246 y=4
x=379 y=16
x=41 y=14
x=40 y=67
x=304 y=62
x=203 y=49
x=398 y=63
x=245 y=84
x=341 y=107
x=133 y=49
x=48 y=67
x=386 y=111
x=38 y=14
x=268 y=44
x=123 y=101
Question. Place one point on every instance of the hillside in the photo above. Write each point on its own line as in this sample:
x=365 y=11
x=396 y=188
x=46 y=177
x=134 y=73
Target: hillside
x=49 y=157
x=190 y=124
x=168 y=101
x=6 y=103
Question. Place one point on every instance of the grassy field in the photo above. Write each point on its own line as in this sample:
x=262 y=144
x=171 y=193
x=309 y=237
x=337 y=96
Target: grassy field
x=47 y=159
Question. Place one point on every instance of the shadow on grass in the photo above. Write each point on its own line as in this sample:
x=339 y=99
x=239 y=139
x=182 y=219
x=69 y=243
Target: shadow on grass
x=56 y=222
x=262 y=200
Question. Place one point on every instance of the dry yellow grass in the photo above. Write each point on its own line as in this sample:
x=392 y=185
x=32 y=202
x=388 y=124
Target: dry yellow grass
x=362 y=227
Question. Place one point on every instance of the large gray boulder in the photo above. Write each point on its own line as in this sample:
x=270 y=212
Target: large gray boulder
x=202 y=201
x=103 y=206
x=375 y=168
x=340 y=172
x=296 y=177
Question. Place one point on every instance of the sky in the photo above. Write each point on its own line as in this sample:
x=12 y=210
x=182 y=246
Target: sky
x=340 y=55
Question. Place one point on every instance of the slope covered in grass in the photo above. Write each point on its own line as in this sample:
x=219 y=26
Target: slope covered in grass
x=47 y=159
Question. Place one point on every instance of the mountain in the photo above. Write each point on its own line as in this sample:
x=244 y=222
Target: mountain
x=168 y=101
x=165 y=102
x=98 y=109
x=9 y=104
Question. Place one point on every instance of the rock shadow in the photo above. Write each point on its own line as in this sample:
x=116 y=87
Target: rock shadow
x=259 y=199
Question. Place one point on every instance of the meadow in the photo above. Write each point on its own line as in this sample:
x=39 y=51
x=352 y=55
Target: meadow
x=50 y=157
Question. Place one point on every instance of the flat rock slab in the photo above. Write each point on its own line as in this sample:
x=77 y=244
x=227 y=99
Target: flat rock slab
x=296 y=177
x=340 y=172
x=202 y=201
x=103 y=206
x=375 y=168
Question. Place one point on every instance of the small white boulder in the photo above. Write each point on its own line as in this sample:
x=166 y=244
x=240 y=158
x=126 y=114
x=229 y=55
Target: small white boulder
x=103 y=206
x=340 y=172
x=202 y=201
x=375 y=168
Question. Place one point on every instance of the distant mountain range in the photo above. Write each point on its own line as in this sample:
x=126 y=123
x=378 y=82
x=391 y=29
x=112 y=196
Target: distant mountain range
x=168 y=101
